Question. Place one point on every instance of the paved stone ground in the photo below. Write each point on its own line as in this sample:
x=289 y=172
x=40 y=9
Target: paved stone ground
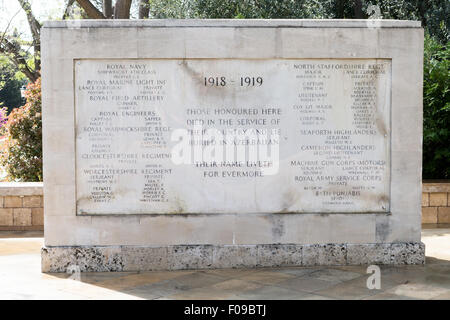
x=20 y=278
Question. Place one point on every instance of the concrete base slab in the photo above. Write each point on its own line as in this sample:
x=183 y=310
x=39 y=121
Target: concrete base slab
x=184 y=257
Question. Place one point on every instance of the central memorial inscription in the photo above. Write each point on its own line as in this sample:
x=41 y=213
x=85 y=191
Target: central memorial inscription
x=162 y=136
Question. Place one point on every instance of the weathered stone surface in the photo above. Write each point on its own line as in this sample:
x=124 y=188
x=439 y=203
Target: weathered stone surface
x=281 y=255
x=230 y=256
x=87 y=259
x=324 y=254
x=415 y=253
x=378 y=253
x=189 y=257
x=407 y=253
x=145 y=258
x=134 y=258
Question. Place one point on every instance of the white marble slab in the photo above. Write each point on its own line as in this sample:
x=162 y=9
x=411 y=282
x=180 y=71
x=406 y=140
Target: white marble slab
x=320 y=130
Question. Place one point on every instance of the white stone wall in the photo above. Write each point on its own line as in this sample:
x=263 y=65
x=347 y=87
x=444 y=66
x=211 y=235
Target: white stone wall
x=64 y=41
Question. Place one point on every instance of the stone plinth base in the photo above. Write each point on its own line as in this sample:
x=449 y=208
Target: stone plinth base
x=137 y=258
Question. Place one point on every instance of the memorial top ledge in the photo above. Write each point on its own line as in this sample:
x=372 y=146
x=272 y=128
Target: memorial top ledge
x=235 y=23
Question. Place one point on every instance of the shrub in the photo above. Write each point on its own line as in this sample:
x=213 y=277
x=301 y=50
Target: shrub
x=10 y=83
x=3 y=119
x=22 y=154
x=436 y=110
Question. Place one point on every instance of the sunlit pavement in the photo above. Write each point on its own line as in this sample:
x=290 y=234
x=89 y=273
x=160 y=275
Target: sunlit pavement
x=20 y=278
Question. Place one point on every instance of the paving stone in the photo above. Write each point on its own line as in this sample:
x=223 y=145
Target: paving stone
x=21 y=279
x=272 y=293
x=307 y=284
x=347 y=291
x=334 y=275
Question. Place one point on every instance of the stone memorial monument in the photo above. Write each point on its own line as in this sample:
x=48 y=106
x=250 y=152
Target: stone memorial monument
x=185 y=144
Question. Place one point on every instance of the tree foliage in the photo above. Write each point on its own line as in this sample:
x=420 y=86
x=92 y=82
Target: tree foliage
x=10 y=83
x=436 y=110
x=22 y=152
x=14 y=48
x=434 y=14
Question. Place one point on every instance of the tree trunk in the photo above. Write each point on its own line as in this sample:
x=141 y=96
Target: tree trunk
x=422 y=10
x=358 y=10
x=90 y=9
x=122 y=9
x=12 y=51
x=144 y=9
x=67 y=10
x=107 y=9
x=340 y=9
x=35 y=28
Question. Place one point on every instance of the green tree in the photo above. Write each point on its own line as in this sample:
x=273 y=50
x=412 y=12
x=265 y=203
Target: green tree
x=434 y=14
x=12 y=47
x=436 y=110
x=22 y=153
x=10 y=83
x=10 y=94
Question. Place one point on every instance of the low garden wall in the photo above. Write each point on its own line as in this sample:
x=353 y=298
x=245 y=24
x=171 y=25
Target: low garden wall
x=22 y=205
x=436 y=202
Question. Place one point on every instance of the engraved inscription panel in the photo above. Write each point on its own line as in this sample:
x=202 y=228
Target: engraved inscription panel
x=168 y=136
